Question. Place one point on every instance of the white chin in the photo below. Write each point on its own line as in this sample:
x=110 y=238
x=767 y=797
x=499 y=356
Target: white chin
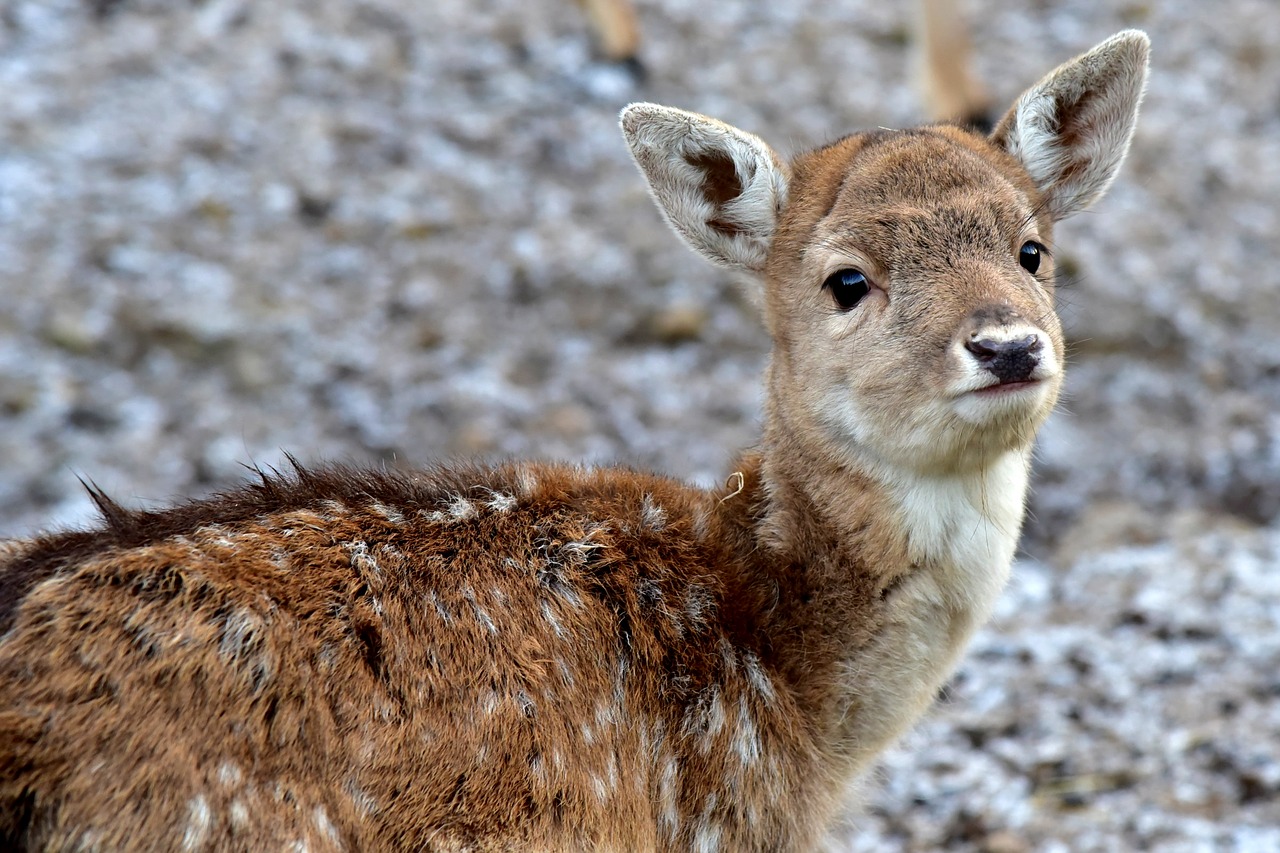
x=1000 y=403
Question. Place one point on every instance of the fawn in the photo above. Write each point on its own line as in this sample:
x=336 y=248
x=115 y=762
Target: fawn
x=539 y=657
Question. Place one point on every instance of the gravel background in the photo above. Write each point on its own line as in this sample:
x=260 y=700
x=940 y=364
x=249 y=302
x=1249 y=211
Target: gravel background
x=394 y=231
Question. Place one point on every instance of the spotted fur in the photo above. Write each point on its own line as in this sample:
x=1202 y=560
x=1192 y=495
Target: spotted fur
x=541 y=657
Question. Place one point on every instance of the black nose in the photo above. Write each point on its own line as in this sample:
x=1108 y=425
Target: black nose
x=1010 y=361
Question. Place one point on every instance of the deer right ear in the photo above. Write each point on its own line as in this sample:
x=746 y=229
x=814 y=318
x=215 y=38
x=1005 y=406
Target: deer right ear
x=1071 y=130
x=719 y=188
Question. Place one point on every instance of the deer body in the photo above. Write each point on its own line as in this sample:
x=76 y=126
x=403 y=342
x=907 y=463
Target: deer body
x=540 y=657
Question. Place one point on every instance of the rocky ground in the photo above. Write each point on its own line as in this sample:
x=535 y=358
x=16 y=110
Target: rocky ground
x=392 y=231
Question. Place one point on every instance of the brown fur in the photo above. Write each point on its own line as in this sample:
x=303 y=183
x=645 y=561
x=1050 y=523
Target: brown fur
x=323 y=642
x=540 y=657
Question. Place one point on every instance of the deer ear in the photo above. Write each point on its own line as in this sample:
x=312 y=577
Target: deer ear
x=1071 y=130
x=719 y=188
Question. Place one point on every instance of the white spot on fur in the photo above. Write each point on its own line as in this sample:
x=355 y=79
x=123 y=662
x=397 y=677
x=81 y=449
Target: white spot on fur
x=551 y=574
x=652 y=516
x=605 y=716
x=500 y=502
x=216 y=534
x=461 y=509
x=550 y=616
x=580 y=551
x=391 y=514
x=229 y=774
x=335 y=508
x=705 y=719
x=659 y=737
x=565 y=672
x=667 y=782
x=707 y=837
x=239 y=814
x=326 y=827
x=714 y=717
x=570 y=595
x=746 y=742
x=361 y=558
x=759 y=679
x=242 y=643
x=701 y=523
x=619 y=711
x=365 y=804
x=611 y=772
x=482 y=615
x=489 y=704
x=728 y=656
x=697 y=602
x=91 y=839
x=526 y=482
x=198 y=818
x=598 y=788
x=440 y=608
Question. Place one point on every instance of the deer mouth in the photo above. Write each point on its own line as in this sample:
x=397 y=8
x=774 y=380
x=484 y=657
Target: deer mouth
x=999 y=389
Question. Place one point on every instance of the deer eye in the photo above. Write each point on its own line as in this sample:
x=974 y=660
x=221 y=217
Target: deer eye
x=847 y=286
x=1029 y=256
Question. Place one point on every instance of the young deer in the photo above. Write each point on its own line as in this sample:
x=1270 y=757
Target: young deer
x=537 y=657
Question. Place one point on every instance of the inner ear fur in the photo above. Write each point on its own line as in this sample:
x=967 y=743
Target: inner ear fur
x=720 y=185
x=1071 y=131
x=719 y=188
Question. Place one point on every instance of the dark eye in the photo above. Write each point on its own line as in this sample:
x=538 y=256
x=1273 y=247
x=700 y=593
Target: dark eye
x=848 y=286
x=1029 y=256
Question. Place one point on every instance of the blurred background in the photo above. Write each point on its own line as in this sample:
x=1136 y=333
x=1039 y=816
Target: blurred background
x=392 y=232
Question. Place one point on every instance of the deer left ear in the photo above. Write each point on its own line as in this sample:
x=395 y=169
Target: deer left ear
x=1071 y=130
x=721 y=189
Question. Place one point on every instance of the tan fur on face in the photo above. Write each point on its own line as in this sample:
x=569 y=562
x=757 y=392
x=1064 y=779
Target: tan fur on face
x=935 y=219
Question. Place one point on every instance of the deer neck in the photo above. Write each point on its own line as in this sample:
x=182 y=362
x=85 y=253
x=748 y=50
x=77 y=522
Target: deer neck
x=890 y=571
